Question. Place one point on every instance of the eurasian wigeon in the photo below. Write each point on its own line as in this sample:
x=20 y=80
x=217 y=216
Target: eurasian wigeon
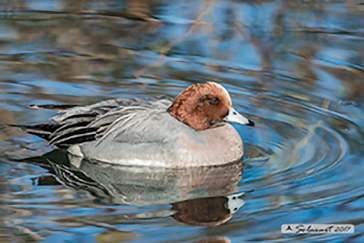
x=192 y=130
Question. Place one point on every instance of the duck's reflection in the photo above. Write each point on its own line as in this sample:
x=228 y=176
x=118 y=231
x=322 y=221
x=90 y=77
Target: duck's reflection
x=200 y=196
x=210 y=211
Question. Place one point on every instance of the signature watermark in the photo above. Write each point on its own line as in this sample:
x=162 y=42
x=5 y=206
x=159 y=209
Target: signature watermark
x=317 y=228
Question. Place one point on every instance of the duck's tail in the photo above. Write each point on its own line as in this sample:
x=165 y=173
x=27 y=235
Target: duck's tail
x=51 y=107
x=41 y=130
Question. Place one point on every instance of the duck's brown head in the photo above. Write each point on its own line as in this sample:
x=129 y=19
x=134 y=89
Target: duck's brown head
x=206 y=105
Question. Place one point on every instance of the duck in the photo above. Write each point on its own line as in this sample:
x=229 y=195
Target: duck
x=192 y=130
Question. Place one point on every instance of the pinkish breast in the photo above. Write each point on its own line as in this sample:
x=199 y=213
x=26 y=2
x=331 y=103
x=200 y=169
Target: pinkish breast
x=221 y=145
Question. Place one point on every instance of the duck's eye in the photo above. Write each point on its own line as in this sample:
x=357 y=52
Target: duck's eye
x=214 y=101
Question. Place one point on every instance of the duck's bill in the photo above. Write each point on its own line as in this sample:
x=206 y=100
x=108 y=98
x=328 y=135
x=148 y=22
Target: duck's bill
x=235 y=117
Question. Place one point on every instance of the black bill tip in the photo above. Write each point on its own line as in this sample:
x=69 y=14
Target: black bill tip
x=251 y=123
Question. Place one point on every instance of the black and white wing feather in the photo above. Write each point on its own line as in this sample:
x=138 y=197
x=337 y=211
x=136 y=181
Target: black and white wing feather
x=88 y=123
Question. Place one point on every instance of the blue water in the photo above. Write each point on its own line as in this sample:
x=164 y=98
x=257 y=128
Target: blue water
x=294 y=67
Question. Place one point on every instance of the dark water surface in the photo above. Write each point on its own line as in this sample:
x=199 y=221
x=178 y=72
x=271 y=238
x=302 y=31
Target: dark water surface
x=294 y=67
